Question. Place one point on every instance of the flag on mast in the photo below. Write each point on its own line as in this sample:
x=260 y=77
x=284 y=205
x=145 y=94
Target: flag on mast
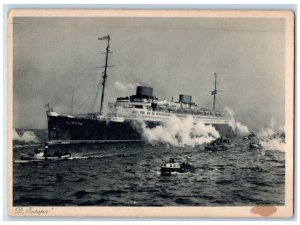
x=104 y=38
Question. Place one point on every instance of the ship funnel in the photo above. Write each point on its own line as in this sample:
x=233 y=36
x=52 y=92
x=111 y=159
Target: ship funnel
x=144 y=91
x=185 y=99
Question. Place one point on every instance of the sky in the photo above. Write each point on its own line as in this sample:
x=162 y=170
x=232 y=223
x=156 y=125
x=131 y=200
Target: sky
x=57 y=58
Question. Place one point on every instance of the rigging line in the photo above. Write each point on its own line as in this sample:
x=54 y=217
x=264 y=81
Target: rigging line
x=77 y=107
x=82 y=106
x=65 y=93
x=78 y=83
x=83 y=102
x=88 y=102
x=97 y=94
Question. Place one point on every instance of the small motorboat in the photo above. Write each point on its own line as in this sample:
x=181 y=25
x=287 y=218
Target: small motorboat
x=255 y=145
x=219 y=144
x=39 y=155
x=176 y=165
x=42 y=154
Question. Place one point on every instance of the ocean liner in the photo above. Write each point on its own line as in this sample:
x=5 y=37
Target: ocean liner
x=126 y=114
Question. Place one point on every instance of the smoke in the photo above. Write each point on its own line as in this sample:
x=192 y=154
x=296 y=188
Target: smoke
x=27 y=136
x=272 y=138
x=125 y=88
x=180 y=132
x=235 y=125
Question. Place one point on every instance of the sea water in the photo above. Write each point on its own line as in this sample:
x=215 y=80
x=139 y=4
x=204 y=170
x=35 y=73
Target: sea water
x=128 y=174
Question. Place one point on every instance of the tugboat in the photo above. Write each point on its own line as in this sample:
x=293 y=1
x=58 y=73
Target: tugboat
x=176 y=165
x=42 y=154
x=219 y=144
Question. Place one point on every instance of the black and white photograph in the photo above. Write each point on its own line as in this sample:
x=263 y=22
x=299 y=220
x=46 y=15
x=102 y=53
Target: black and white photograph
x=152 y=109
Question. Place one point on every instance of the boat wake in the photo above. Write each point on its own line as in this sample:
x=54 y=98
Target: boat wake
x=21 y=161
x=70 y=158
x=37 y=160
x=74 y=157
x=177 y=173
x=27 y=145
x=158 y=172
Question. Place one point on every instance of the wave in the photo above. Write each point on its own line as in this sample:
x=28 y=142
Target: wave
x=25 y=136
x=273 y=144
x=272 y=138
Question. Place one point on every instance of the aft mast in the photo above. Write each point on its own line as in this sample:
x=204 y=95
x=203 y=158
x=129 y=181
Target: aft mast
x=72 y=103
x=214 y=92
x=105 y=69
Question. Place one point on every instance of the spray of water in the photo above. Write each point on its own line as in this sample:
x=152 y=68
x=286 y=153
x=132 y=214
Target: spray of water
x=236 y=126
x=272 y=138
x=27 y=136
x=180 y=132
x=273 y=144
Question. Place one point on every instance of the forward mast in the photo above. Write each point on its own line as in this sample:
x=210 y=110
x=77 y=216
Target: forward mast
x=107 y=38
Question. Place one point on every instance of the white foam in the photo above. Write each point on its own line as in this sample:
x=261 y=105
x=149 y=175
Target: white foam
x=180 y=132
x=27 y=136
x=272 y=138
x=236 y=126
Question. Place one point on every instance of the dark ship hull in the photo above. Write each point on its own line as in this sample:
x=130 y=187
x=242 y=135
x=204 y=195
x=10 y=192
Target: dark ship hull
x=66 y=128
